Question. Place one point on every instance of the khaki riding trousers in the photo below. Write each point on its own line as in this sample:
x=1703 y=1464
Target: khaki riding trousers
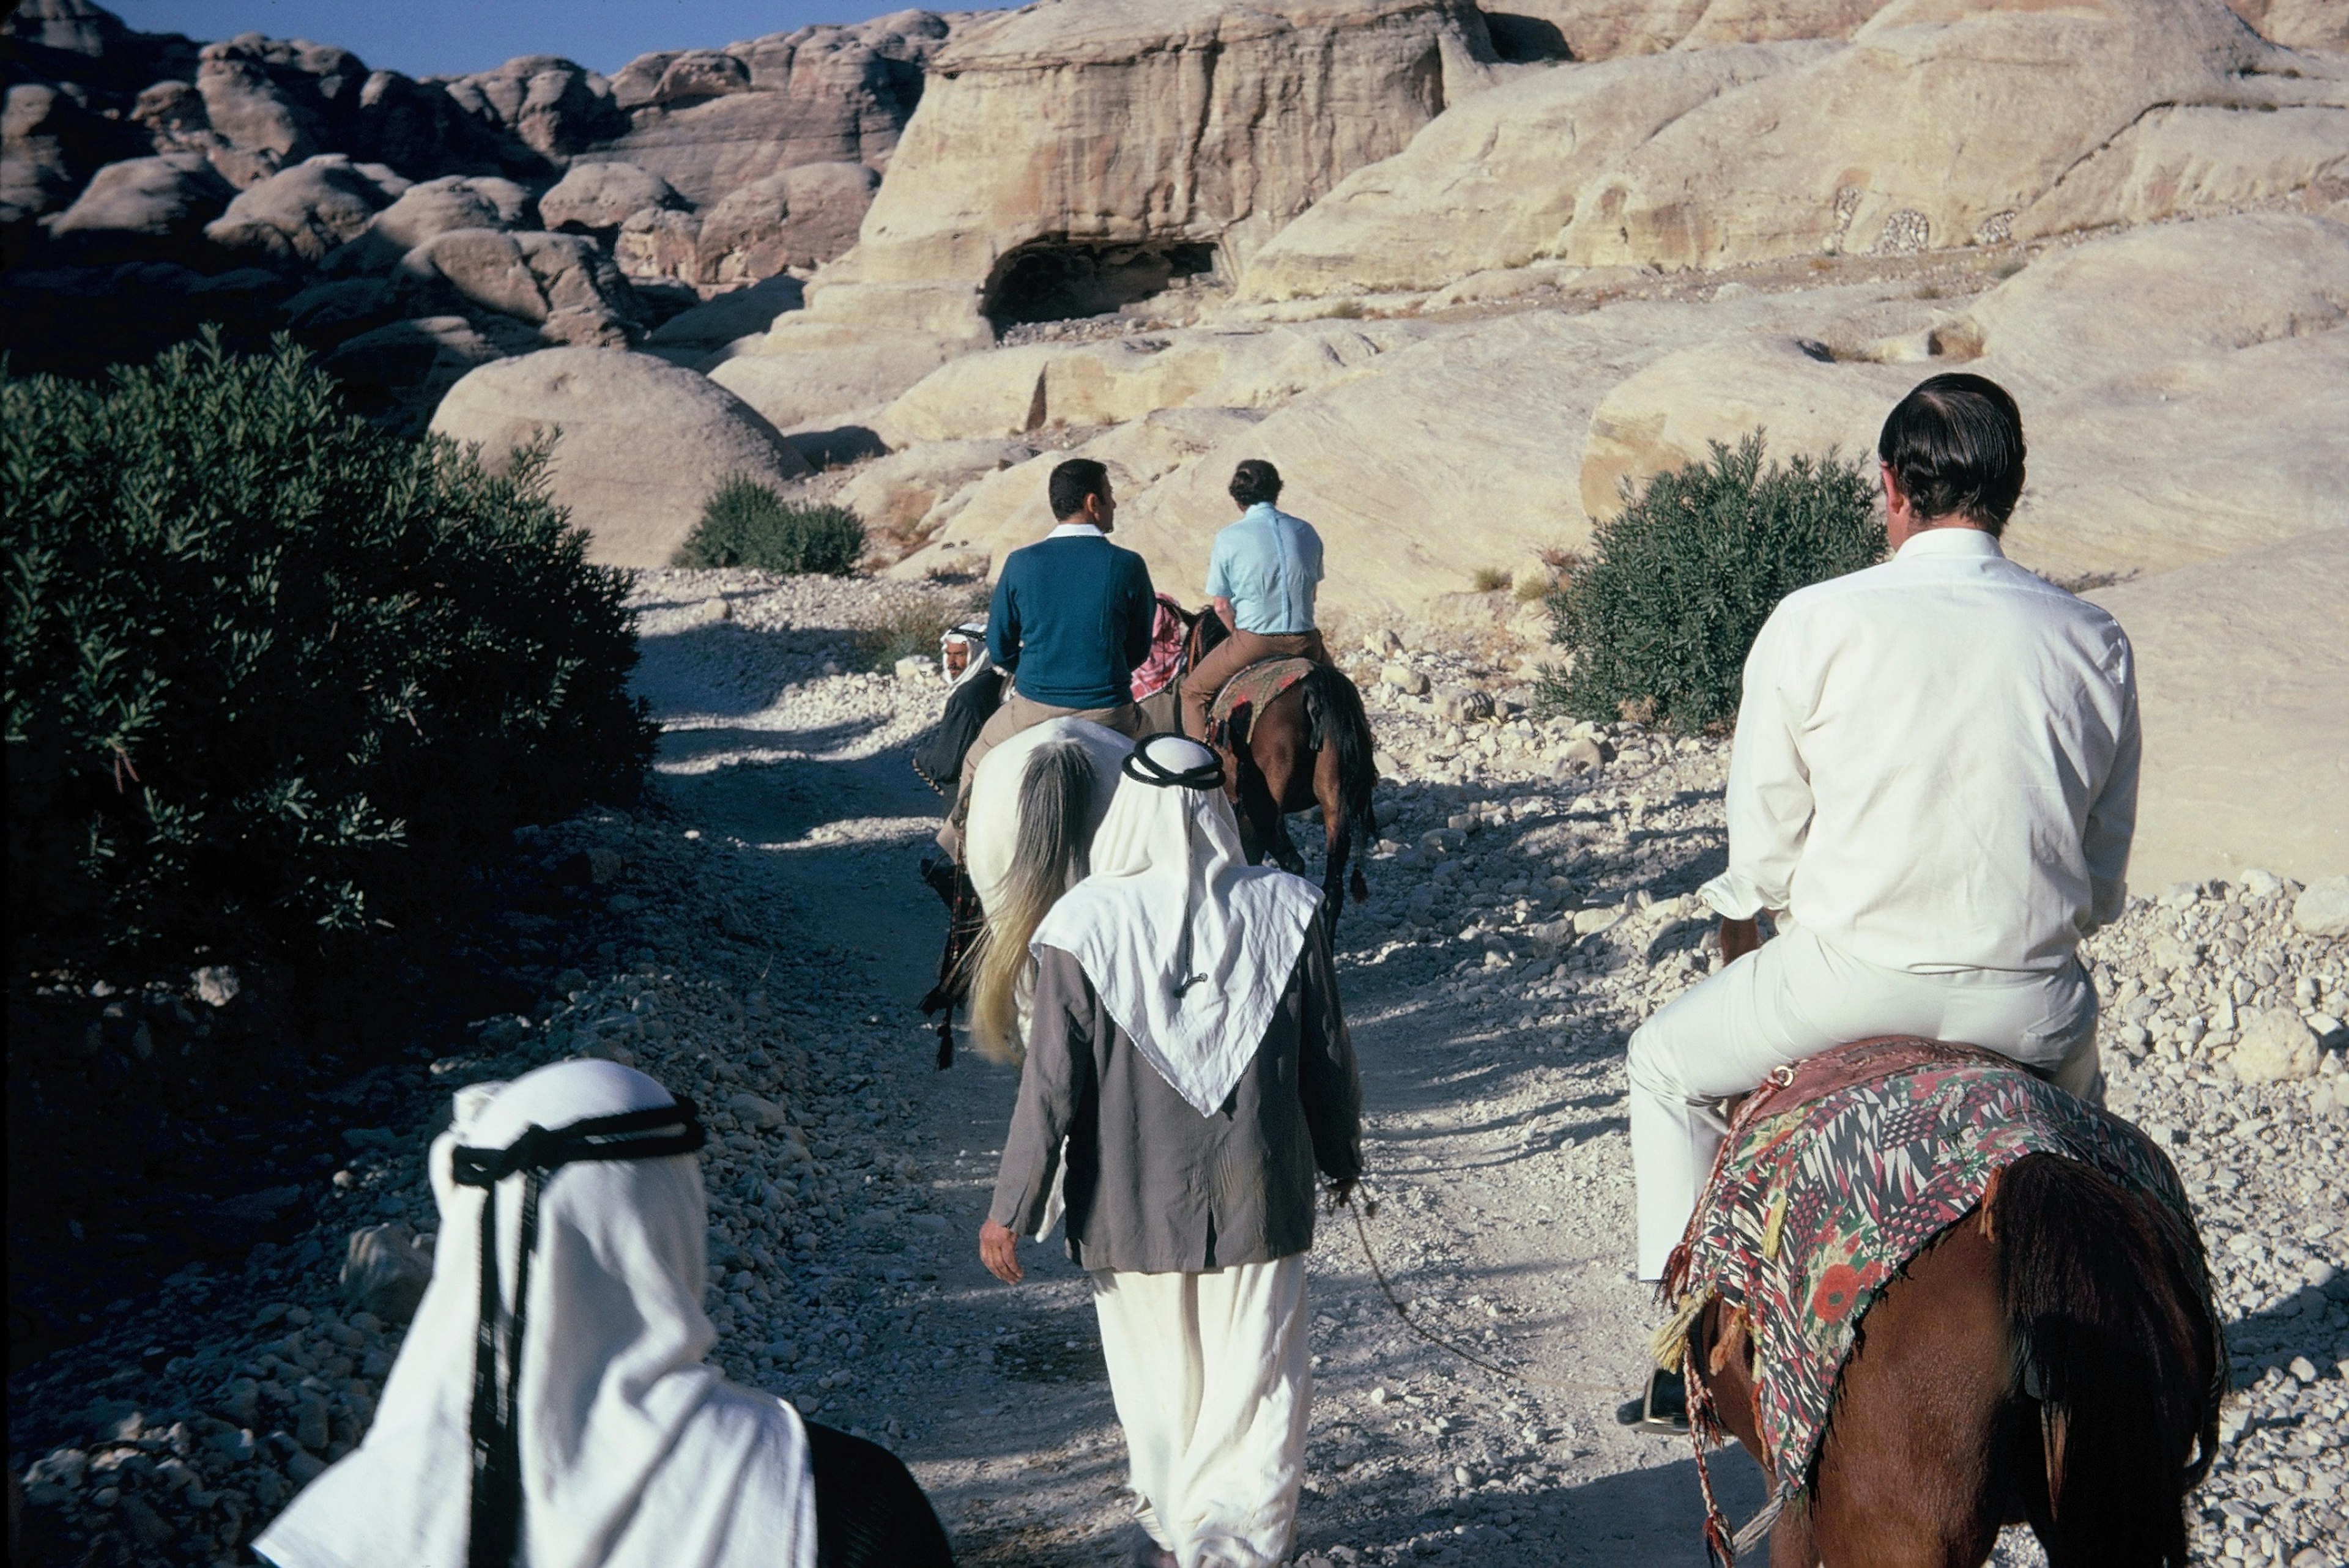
x=1017 y=713
x=1228 y=658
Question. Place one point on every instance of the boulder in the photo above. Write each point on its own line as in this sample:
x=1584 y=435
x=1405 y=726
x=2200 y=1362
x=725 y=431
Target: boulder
x=892 y=495
x=727 y=317
x=561 y=283
x=50 y=144
x=398 y=372
x=555 y=106
x=655 y=245
x=1948 y=122
x=1494 y=183
x=799 y=218
x=804 y=371
x=1010 y=391
x=385 y=1270
x=643 y=442
x=297 y=216
x=2243 y=693
x=2276 y=1047
x=2297 y=24
x=1075 y=154
x=425 y=211
x=2322 y=907
x=144 y=207
x=597 y=198
x=280 y=100
x=711 y=122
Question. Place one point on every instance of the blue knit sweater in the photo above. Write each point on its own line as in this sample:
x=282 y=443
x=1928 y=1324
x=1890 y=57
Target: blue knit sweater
x=1070 y=619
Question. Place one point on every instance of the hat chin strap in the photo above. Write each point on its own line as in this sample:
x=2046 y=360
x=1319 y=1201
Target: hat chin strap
x=652 y=1134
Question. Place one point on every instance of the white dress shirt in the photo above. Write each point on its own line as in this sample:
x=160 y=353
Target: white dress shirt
x=1936 y=764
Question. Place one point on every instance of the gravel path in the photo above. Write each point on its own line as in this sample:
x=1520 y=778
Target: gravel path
x=1531 y=902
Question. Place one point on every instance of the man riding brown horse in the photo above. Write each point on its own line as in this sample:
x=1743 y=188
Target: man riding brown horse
x=1934 y=786
x=1262 y=575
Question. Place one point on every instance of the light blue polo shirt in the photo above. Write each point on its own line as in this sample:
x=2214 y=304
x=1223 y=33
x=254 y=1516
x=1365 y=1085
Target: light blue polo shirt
x=1268 y=564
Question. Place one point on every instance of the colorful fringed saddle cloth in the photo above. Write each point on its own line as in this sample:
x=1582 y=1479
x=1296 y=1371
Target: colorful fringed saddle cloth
x=1254 y=687
x=1837 y=1172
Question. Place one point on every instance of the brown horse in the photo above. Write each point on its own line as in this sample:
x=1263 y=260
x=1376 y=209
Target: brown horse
x=1310 y=745
x=2053 y=1358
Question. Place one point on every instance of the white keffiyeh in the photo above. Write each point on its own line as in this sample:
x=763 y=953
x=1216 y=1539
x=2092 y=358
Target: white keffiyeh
x=1188 y=946
x=633 y=1453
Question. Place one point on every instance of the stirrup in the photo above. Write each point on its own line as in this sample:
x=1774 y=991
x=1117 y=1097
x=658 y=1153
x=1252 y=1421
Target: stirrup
x=1662 y=1408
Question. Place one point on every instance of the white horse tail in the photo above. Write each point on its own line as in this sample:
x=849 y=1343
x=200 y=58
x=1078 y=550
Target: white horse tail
x=1048 y=858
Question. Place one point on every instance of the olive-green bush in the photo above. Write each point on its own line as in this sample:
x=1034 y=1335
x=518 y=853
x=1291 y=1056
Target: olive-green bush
x=1659 y=617
x=746 y=523
x=277 y=679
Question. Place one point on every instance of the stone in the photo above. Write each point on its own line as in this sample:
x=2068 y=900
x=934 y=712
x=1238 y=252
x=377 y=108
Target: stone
x=1462 y=705
x=1944 y=121
x=144 y=207
x=597 y=197
x=892 y=495
x=299 y=215
x=1005 y=201
x=553 y=107
x=399 y=372
x=754 y=1111
x=2243 y=695
x=1495 y=182
x=2322 y=907
x=1604 y=29
x=427 y=209
x=727 y=317
x=917 y=668
x=384 y=1272
x=805 y=371
x=816 y=95
x=1583 y=754
x=1404 y=678
x=217 y=985
x=561 y=283
x=2276 y=1047
x=799 y=218
x=50 y=145
x=642 y=445
x=2299 y=25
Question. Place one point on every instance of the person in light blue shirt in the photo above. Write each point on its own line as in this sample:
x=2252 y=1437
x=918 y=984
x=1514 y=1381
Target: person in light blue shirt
x=1262 y=575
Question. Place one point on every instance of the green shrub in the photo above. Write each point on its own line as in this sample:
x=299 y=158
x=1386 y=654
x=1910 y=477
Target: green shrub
x=746 y=523
x=1659 y=619
x=914 y=624
x=276 y=679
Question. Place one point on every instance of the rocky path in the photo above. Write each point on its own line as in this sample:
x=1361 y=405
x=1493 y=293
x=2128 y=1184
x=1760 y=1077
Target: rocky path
x=1530 y=904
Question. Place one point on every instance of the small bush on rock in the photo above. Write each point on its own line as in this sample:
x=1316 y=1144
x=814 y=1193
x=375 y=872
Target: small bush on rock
x=277 y=679
x=746 y=523
x=1658 y=621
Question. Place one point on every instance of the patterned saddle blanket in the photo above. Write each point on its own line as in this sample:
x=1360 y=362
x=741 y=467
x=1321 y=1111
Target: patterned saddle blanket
x=1256 y=686
x=1837 y=1172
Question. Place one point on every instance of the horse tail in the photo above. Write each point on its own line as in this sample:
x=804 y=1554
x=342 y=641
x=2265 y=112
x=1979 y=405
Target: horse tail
x=2117 y=1347
x=1048 y=858
x=1334 y=718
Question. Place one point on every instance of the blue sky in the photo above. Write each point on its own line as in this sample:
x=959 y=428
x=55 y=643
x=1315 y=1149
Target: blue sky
x=427 y=37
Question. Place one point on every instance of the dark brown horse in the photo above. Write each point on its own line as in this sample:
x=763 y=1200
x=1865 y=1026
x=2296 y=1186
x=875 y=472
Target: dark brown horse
x=2052 y=1359
x=1310 y=747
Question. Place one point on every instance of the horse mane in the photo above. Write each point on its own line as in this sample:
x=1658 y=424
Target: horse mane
x=1049 y=857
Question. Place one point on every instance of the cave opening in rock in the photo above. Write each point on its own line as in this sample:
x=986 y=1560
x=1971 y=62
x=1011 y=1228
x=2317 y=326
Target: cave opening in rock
x=1062 y=281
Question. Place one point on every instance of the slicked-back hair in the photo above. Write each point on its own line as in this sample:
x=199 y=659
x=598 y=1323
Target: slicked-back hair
x=1073 y=481
x=1955 y=446
x=1255 y=481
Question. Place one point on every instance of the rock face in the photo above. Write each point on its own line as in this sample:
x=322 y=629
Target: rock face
x=597 y=198
x=711 y=121
x=1938 y=124
x=1071 y=157
x=1602 y=29
x=559 y=284
x=796 y=219
x=805 y=371
x=149 y=208
x=426 y=211
x=642 y=443
x=2299 y=24
x=299 y=215
x=2243 y=687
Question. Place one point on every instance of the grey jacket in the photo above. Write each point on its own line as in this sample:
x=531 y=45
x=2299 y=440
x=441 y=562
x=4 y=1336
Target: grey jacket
x=1152 y=1186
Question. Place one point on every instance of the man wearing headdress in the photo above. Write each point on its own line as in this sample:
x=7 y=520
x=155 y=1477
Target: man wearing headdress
x=1188 y=1046
x=551 y=1407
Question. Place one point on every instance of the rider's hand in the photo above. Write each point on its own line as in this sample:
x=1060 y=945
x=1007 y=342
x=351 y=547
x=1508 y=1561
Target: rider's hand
x=1738 y=938
x=998 y=1249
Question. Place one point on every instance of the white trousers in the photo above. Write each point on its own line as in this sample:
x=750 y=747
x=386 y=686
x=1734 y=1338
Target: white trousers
x=1213 y=1380
x=1795 y=998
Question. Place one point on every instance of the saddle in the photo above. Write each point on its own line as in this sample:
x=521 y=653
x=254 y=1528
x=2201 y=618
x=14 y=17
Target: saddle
x=1837 y=1172
x=1254 y=687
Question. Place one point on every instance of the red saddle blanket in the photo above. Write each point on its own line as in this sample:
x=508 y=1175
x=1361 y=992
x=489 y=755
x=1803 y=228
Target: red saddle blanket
x=1837 y=1174
x=1256 y=686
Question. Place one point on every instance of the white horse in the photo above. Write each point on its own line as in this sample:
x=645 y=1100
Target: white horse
x=1036 y=802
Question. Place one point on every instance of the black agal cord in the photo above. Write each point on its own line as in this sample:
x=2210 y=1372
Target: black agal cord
x=675 y=1129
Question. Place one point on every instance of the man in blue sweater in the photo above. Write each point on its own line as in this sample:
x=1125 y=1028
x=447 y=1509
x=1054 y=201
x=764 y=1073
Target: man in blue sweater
x=1070 y=619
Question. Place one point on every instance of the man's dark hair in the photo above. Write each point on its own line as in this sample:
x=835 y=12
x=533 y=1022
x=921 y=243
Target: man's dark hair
x=1073 y=481
x=1955 y=447
x=1255 y=481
